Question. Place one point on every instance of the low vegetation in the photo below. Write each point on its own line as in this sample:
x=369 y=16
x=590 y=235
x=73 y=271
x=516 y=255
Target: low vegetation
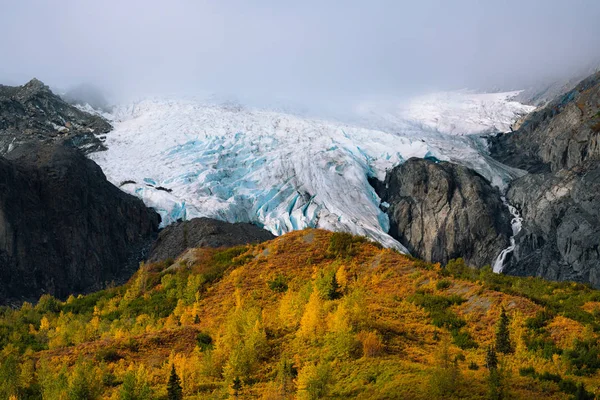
x=309 y=315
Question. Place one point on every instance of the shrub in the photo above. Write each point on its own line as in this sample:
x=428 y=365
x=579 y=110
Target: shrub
x=371 y=344
x=568 y=386
x=584 y=357
x=473 y=366
x=443 y=284
x=342 y=244
x=279 y=284
x=539 y=322
x=545 y=346
x=528 y=371
x=463 y=340
x=547 y=376
x=108 y=354
x=47 y=304
x=204 y=341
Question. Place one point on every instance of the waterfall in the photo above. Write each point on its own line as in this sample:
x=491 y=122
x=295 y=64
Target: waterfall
x=516 y=223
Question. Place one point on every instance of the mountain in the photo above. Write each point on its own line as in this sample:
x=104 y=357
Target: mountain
x=63 y=227
x=559 y=197
x=33 y=112
x=311 y=314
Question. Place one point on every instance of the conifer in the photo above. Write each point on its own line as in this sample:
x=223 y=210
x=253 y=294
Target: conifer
x=503 y=342
x=174 y=389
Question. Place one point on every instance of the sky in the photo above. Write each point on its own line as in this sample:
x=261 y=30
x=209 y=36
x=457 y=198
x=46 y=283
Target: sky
x=305 y=51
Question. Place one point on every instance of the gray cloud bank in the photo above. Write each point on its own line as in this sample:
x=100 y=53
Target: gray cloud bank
x=306 y=51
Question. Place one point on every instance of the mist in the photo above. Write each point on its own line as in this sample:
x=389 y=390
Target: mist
x=307 y=52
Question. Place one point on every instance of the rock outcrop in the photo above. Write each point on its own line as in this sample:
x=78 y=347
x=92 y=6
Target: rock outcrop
x=33 y=113
x=559 y=199
x=204 y=232
x=441 y=211
x=63 y=227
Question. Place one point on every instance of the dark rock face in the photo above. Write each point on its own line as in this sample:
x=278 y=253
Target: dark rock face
x=560 y=239
x=63 y=227
x=204 y=232
x=32 y=112
x=560 y=198
x=441 y=211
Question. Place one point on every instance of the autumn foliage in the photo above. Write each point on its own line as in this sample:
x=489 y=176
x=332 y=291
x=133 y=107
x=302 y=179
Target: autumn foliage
x=309 y=315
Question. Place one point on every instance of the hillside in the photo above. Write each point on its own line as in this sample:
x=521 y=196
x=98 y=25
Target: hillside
x=311 y=314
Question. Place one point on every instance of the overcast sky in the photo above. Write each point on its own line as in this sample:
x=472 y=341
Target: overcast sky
x=301 y=49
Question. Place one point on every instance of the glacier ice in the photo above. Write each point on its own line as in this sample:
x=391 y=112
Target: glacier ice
x=190 y=158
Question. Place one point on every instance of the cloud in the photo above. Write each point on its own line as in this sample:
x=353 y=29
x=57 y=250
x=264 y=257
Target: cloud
x=306 y=51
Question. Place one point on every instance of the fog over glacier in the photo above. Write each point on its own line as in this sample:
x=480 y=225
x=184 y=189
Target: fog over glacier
x=309 y=53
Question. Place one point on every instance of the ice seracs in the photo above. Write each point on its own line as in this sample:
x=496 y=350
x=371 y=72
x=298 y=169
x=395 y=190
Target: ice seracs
x=281 y=171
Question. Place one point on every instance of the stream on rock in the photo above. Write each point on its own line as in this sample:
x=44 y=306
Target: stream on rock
x=516 y=223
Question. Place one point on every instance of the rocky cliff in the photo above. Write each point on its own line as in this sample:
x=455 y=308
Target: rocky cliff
x=33 y=113
x=63 y=227
x=560 y=197
x=441 y=211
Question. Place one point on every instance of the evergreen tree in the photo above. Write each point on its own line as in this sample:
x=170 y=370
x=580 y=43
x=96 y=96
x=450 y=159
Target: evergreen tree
x=495 y=385
x=174 y=389
x=127 y=391
x=491 y=359
x=236 y=386
x=582 y=394
x=503 y=343
x=327 y=285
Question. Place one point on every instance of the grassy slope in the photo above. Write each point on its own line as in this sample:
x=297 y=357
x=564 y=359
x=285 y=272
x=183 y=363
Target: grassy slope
x=374 y=337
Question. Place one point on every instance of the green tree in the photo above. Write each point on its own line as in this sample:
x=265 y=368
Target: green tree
x=83 y=385
x=495 y=385
x=286 y=372
x=491 y=359
x=446 y=378
x=127 y=391
x=313 y=381
x=174 y=389
x=9 y=363
x=503 y=342
x=582 y=394
x=135 y=387
x=236 y=386
x=327 y=285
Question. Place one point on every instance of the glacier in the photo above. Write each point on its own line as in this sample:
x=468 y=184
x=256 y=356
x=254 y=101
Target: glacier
x=189 y=157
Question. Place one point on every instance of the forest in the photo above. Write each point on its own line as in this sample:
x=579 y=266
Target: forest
x=309 y=315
